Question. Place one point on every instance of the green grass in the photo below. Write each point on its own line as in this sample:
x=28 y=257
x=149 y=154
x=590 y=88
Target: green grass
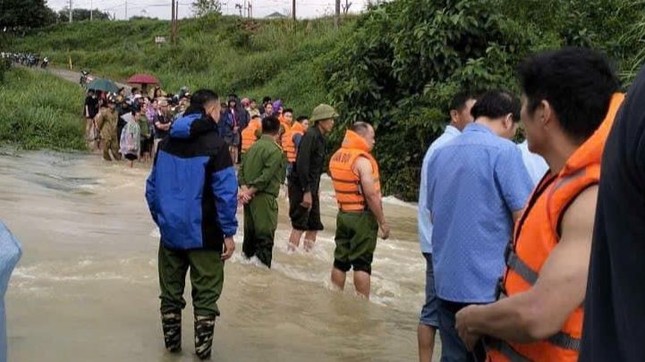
x=251 y=58
x=38 y=110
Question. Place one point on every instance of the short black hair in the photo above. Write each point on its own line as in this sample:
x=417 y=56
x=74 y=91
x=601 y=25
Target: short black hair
x=577 y=82
x=288 y=110
x=270 y=125
x=252 y=100
x=134 y=89
x=266 y=99
x=459 y=100
x=136 y=108
x=496 y=104
x=360 y=127
x=301 y=118
x=199 y=100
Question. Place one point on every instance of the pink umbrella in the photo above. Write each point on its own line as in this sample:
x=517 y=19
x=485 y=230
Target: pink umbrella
x=143 y=79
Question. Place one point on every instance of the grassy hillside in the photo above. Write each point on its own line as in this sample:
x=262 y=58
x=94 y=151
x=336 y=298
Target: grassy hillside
x=254 y=58
x=40 y=111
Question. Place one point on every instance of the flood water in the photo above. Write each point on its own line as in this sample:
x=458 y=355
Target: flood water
x=86 y=287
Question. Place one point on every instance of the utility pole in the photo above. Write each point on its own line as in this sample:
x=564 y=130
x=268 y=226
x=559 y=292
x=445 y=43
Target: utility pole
x=337 y=17
x=239 y=6
x=250 y=10
x=71 y=6
x=293 y=10
x=126 y=9
x=91 y=10
x=176 y=19
x=172 y=23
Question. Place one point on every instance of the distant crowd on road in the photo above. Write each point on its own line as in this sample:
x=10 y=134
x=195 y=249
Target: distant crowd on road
x=132 y=125
x=26 y=59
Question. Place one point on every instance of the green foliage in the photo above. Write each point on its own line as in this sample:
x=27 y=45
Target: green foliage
x=38 y=110
x=397 y=65
x=249 y=57
x=405 y=59
x=206 y=7
x=5 y=64
x=25 y=14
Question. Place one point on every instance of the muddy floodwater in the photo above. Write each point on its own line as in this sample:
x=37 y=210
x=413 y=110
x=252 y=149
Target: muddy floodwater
x=86 y=287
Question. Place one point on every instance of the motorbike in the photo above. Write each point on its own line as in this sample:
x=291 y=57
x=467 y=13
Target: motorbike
x=85 y=78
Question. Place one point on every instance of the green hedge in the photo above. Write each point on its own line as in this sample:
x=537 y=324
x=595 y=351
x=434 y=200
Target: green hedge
x=38 y=110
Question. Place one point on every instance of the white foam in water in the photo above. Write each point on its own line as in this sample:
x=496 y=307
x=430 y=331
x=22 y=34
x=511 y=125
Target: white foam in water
x=155 y=233
x=391 y=200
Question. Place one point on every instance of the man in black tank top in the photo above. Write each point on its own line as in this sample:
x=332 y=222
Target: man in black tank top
x=615 y=304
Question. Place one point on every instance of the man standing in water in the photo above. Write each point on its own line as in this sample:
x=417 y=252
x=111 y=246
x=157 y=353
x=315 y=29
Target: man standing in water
x=460 y=117
x=477 y=187
x=355 y=175
x=304 y=181
x=192 y=196
x=106 y=121
x=260 y=176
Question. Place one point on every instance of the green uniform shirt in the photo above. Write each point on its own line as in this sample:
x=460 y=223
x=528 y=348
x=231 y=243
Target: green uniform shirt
x=264 y=167
x=106 y=122
x=144 y=126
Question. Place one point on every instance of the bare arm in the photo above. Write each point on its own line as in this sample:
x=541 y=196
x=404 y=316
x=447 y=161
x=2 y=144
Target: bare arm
x=373 y=197
x=541 y=311
x=99 y=120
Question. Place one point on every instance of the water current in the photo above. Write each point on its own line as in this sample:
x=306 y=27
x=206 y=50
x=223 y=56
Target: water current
x=86 y=287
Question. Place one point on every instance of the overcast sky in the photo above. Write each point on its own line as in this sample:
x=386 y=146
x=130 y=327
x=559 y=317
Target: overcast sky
x=161 y=8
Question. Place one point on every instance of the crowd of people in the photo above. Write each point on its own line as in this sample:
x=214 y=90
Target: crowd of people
x=505 y=229
x=26 y=59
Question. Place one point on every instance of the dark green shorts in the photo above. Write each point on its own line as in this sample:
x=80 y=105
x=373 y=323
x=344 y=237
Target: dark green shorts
x=356 y=234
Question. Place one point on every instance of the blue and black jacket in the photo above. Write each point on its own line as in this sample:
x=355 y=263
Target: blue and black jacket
x=192 y=189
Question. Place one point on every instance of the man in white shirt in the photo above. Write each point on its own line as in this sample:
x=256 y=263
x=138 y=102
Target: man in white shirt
x=459 y=117
x=535 y=164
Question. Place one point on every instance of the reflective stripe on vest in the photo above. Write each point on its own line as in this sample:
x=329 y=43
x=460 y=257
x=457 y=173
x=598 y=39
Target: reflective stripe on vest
x=516 y=264
x=559 y=339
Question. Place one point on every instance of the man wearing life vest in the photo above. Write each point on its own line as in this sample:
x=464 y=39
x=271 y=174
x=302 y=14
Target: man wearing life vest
x=291 y=140
x=286 y=121
x=250 y=134
x=355 y=176
x=569 y=104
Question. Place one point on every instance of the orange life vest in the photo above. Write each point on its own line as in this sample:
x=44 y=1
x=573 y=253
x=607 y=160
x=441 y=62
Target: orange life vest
x=249 y=135
x=537 y=234
x=288 y=144
x=347 y=183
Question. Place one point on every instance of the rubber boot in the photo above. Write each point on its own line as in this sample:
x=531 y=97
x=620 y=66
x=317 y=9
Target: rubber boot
x=204 y=326
x=171 y=324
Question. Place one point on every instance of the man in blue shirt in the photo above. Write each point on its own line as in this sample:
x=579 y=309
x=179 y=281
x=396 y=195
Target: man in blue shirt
x=460 y=117
x=477 y=187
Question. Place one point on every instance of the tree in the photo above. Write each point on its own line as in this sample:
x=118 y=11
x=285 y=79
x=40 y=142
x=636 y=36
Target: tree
x=206 y=7
x=25 y=14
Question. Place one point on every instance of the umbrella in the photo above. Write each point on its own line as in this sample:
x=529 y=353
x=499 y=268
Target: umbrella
x=104 y=85
x=143 y=79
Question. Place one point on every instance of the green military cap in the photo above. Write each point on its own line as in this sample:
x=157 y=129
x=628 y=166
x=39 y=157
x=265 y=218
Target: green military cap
x=323 y=112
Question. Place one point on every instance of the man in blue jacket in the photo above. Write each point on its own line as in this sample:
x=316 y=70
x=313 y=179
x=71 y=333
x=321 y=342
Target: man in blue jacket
x=192 y=196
